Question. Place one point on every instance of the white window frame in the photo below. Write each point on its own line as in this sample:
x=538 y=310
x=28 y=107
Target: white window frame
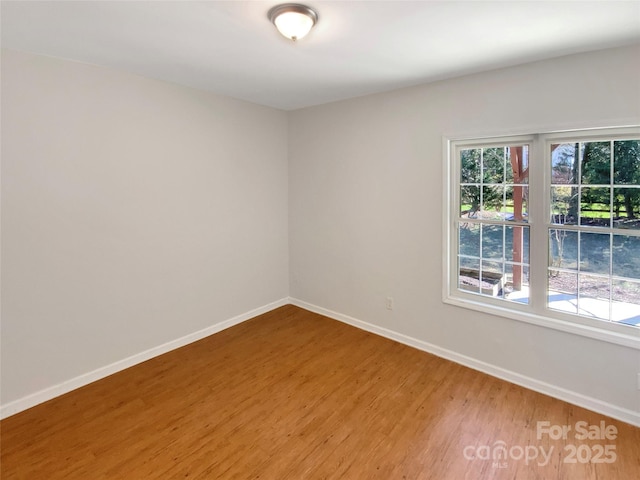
x=536 y=311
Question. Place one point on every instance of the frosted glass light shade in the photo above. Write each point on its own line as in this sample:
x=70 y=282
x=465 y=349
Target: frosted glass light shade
x=292 y=20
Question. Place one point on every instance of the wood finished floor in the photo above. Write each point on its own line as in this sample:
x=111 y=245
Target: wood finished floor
x=294 y=395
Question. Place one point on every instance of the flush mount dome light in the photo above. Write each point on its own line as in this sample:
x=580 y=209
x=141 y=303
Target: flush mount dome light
x=293 y=20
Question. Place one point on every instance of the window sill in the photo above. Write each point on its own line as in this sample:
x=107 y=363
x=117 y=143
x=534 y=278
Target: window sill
x=631 y=339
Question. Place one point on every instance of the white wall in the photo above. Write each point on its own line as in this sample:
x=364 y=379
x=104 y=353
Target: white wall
x=365 y=211
x=134 y=212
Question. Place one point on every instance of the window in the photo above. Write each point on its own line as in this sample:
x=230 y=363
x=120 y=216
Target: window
x=493 y=236
x=546 y=228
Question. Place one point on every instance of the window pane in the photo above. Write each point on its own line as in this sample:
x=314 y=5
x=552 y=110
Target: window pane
x=564 y=205
x=516 y=164
x=525 y=165
x=493 y=161
x=594 y=253
x=626 y=208
x=469 y=271
x=469 y=201
x=469 y=239
x=492 y=267
x=486 y=281
x=596 y=163
x=516 y=203
x=626 y=257
x=492 y=241
x=468 y=280
x=593 y=300
x=516 y=285
x=562 y=291
x=564 y=169
x=626 y=164
x=626 y=291
x=626 y=302
x=563 y=249
x=492 y=202
x=516 y=246
x=595 y=207
x=492 y=278
x=470 y=166
x=508 y=168
x=468 y=263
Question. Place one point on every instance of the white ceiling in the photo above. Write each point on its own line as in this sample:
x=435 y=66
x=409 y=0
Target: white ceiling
x=356 y=48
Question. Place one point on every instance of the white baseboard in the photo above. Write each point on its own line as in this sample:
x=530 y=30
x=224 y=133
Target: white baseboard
x=41 y=396
x=605 y=408
x=575 y=398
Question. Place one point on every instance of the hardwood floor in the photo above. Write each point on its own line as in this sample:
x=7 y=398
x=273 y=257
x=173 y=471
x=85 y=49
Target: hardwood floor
x=292 y=394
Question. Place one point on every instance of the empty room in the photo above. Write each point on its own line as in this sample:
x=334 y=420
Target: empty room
x=327 y=240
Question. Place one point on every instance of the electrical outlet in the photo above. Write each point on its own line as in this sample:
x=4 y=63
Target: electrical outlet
x=389 y=303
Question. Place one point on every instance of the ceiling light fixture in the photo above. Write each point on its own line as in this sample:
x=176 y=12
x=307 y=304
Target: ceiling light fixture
x=293 y=20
